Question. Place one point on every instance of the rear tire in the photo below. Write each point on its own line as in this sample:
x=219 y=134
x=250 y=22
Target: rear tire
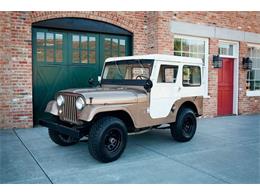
x=107 y=139
x=62 y=139
x=185 y=125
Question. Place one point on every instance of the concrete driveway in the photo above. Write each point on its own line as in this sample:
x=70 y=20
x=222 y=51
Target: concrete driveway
x=224 y=150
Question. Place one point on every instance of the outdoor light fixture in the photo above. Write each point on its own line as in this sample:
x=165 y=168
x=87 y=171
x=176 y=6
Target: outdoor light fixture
x=217 y=61
x=247 y=63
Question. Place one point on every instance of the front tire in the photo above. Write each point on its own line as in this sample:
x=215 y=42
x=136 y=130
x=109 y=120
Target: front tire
x=185 y=125
x=107 y=139
x=62 y=139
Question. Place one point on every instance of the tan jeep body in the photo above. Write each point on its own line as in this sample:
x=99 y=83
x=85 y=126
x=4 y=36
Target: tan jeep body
x=134 y=101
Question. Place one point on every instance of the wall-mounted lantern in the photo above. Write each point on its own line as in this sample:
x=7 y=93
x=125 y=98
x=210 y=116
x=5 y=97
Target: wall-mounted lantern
x=247 y=63
x=217 y=61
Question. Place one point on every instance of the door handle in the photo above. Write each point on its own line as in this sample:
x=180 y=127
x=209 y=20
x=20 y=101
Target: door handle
x=179 y=88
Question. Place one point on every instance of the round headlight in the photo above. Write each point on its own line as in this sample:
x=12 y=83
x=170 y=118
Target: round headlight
x=60 y=100
x=80 y=103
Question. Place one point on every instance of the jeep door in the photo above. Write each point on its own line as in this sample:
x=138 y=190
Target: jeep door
x=164 y=93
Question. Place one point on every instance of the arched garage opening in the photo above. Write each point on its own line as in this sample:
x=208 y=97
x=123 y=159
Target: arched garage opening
x=67 y=52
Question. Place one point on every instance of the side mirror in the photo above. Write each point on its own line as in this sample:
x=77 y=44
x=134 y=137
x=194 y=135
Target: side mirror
x=148 y=85
x=99 y=79
x=91 y=81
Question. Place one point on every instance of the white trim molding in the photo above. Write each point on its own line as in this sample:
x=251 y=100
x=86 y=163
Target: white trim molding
x=203 y=30
x=253 y=93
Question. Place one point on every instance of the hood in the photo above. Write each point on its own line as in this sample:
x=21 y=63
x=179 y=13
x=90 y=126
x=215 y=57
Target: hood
x=109 y=95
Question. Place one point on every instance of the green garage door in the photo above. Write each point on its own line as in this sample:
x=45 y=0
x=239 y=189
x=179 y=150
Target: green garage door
x=68 y=59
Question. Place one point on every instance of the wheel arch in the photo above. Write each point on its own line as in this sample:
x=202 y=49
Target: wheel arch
x=189 y=104
x=121 y=114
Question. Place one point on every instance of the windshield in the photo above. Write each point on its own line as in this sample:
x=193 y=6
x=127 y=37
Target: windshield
x=128 y=70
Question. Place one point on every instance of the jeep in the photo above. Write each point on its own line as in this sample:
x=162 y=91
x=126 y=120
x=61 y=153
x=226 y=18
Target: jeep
x=135 y=93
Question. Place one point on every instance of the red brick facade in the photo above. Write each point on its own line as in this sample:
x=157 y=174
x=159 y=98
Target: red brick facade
x=151 y=34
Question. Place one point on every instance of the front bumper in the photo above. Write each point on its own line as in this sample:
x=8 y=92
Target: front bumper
x=64 y=128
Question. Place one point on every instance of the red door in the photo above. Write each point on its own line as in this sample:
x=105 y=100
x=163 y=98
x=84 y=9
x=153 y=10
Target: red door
x=225 y=87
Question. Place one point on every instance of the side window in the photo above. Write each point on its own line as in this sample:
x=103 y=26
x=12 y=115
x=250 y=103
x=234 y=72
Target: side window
x=167 y=74
x=191 y=76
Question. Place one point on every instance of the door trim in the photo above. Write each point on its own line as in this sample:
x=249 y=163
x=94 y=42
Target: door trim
x=235 y=73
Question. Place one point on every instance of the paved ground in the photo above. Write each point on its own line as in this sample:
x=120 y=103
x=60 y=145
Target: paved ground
x=224 y=150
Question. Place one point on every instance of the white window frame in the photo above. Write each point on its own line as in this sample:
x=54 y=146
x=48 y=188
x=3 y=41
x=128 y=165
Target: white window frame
x=204 y=80
x=255 y=92
x=235 y=56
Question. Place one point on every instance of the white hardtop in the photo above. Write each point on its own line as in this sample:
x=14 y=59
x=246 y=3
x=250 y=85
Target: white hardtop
x=159 y=57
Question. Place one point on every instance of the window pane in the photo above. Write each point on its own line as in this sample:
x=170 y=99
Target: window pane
x=75 y=56
x=50 y=54
x=59 y=56
x=115 y=47
x=202 y=56
x=75 y=41
x=201 y=46
x=59 y=40
x=107 y=43
x=177 y=44
x=92 y=43
x=49 y=39
x=185 y=54
x=40 y=54
x=84 y=42
x=194 y=55
x=226 y=49
x=84 y=56
x=193 y=46
x=40 y=38
x=185 y=45
x=257 y=75
x=177 y=53
x=115 y=44
x=258 y=52
x=191 y=76
x=107 y=54
x=122 y=48
x=92 y=57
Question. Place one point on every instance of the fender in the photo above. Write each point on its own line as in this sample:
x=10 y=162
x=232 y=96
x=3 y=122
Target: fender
x=52 y=107
x=90 y=111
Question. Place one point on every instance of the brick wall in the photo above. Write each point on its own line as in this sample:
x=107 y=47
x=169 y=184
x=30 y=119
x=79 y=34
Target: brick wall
x=151 y=35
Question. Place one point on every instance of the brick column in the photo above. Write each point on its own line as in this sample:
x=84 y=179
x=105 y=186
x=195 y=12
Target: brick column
x=210 y=104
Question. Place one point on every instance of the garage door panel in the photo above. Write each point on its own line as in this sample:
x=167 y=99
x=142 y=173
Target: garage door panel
x=68 y=59
x=50 y=79
x=79 y=76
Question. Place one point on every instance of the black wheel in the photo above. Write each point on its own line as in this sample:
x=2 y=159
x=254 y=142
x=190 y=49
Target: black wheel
x=185 y=126
x=62 y=139
x=107 y=139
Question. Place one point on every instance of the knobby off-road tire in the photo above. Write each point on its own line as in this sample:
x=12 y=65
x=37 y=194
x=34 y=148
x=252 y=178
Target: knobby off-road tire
x=185 y=125
x=62 y=139
x=107 y=139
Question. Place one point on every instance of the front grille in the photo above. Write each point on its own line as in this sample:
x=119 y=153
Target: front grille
x=69 y=111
